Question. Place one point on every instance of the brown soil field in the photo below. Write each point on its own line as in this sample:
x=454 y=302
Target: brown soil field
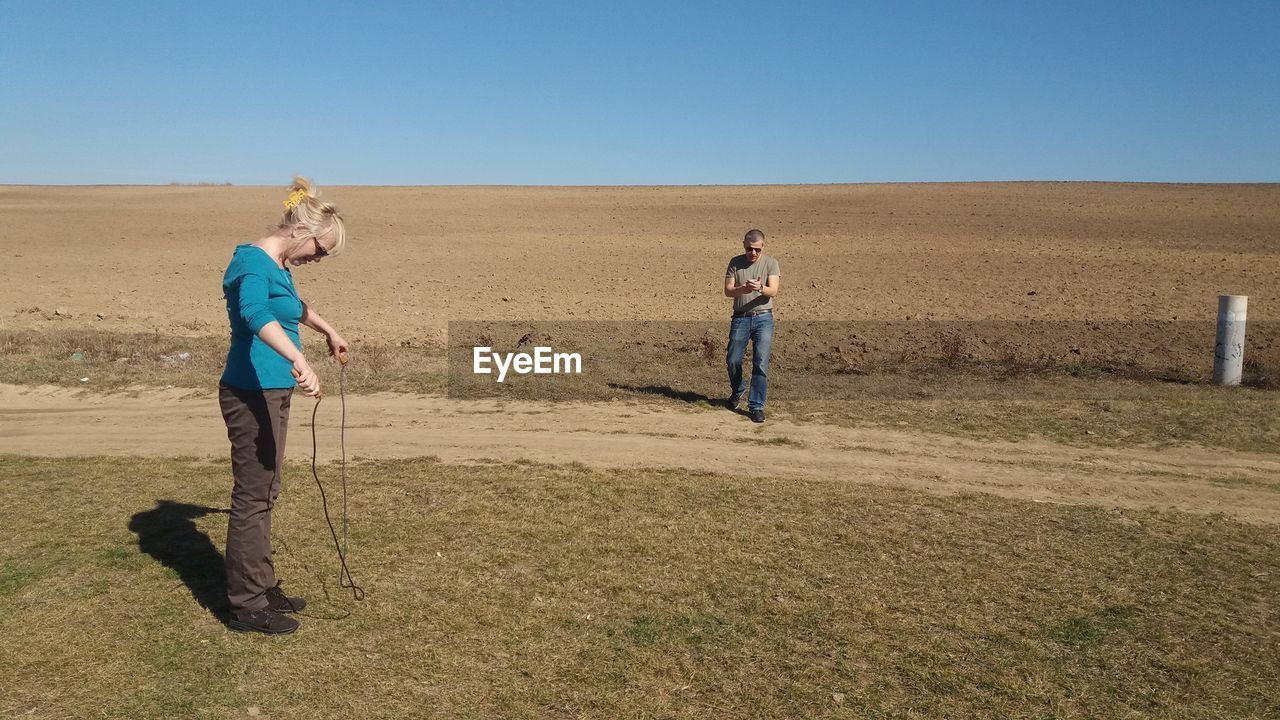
x=151 y=258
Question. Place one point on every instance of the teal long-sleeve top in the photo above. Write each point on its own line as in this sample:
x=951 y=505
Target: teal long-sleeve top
x=257 y=292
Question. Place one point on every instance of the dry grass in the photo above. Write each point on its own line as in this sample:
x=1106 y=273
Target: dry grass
x=1104 y=412
x=854 y=359
x=519 y=590
x=113 y=361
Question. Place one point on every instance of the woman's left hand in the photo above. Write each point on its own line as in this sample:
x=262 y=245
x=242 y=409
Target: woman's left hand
x=338 y=347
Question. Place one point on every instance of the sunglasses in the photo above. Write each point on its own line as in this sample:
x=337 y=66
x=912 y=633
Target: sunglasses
x=320 y=251
x=754 y=250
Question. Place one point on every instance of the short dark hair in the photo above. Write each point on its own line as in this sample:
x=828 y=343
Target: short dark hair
x=752 y=236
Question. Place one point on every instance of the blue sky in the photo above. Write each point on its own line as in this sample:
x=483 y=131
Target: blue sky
x=638 y=93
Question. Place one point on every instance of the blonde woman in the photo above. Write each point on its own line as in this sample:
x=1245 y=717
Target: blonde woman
x=264 y=364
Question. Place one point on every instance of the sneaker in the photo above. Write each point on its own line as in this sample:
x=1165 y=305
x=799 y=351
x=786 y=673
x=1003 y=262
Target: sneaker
x=733 y=400
x=279 y=602
x=757 y=416
x=265 y=621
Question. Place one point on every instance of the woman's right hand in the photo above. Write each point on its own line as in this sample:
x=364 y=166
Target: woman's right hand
x=306 y=377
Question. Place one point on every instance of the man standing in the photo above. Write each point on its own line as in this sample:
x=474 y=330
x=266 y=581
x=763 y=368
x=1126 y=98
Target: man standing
x=752 y=280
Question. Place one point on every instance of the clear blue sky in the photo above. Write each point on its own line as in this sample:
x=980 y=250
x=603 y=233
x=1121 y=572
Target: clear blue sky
x=638 y=92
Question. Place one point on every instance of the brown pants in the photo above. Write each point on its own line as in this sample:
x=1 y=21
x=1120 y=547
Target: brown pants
x=256 y=424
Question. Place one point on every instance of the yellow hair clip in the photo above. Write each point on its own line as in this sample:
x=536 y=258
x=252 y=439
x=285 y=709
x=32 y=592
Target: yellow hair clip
x=295 y=199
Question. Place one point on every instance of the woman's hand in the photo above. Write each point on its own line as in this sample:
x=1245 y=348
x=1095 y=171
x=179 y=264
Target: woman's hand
x=338 y=347
x=306 y=377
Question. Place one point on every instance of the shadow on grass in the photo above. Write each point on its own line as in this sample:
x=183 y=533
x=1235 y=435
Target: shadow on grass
x=168 y=534
x=669 y=392
x=687 y=396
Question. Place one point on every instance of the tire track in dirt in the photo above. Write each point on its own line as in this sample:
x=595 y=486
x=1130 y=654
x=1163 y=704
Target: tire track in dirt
x=49 y=421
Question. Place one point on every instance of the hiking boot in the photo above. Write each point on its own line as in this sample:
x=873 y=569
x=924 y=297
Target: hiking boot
x=757 y=416
x=733 y=400
x=281 y=603
x=265 y=621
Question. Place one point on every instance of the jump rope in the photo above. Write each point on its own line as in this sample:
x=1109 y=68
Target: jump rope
x=344 y=573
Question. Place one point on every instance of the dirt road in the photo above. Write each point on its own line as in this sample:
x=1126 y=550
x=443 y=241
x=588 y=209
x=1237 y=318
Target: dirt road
x=54 y=422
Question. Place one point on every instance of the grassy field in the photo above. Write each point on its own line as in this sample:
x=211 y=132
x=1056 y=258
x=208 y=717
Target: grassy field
x=519 y=590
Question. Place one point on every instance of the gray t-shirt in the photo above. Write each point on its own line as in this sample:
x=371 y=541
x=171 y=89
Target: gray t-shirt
x=741 y=270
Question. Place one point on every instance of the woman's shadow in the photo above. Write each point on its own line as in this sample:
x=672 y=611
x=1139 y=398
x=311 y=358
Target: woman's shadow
x=169 y=534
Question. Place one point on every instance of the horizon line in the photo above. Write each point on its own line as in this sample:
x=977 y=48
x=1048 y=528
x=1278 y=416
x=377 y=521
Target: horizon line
x=650 y=185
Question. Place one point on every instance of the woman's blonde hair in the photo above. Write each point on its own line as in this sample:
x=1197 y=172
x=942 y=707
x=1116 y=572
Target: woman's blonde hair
x=303 y=207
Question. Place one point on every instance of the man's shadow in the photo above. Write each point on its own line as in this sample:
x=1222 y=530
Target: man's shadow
x=666 y=391
x=687 y=396
x=168 y=534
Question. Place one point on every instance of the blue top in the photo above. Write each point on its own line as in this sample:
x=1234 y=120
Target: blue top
x=257 y=292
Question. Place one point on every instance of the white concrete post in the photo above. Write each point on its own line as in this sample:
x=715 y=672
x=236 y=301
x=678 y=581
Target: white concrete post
x=1228 y=349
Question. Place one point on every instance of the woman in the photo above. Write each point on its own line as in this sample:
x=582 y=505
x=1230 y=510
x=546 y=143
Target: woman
x=262 y=364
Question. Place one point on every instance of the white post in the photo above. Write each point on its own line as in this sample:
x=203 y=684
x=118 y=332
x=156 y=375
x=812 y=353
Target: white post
x=1228 y=349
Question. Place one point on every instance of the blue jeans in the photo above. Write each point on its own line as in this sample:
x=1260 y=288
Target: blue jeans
x=759 y=330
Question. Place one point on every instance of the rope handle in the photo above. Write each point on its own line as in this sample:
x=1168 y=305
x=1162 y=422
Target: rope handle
x=342 y=360
x=297 y=375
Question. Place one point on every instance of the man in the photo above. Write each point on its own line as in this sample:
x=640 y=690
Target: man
x=752 y=280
